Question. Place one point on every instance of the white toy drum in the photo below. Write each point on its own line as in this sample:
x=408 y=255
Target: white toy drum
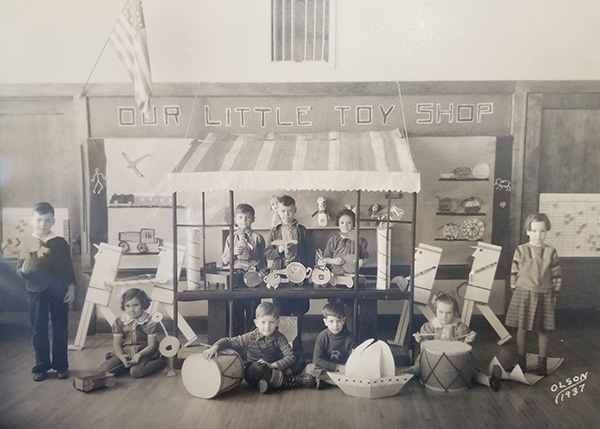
x=446 y=366
x=207 y=378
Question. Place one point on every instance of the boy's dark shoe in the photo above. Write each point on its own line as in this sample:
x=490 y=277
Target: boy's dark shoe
x=495 y=378
x=63 y=374
x=297 y=381
x=40 y=376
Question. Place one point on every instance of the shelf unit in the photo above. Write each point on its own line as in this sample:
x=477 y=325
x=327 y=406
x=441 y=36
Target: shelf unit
x=462 y=213
x=359 y=292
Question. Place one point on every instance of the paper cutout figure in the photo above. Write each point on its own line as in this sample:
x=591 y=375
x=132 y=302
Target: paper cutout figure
x=97 y=181
x=133 y=164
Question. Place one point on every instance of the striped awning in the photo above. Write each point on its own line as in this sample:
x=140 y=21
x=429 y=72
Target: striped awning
x=336 y=161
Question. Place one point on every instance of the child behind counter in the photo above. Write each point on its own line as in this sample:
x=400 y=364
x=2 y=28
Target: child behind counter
x=248 y=254
x=267 y=354
x=248 y=246
x=289 y=242
x=340 y=251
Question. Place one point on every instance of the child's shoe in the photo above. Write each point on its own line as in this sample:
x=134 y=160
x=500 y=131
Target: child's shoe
x=495 y=377
x=40 y=376
x=62 y=374
x=297 y=381
x=542 y=367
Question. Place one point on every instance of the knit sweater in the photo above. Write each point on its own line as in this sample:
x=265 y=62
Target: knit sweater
x=254 y=346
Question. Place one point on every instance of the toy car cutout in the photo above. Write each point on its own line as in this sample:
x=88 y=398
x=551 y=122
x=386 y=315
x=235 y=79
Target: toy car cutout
x=142 y=238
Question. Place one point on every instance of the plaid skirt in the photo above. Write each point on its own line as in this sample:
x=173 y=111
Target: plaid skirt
x=531 y=311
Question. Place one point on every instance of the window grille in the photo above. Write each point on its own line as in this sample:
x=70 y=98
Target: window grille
x=302 y=32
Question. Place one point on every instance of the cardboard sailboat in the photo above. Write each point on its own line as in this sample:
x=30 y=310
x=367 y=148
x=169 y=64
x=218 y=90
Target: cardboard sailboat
x=370 y=372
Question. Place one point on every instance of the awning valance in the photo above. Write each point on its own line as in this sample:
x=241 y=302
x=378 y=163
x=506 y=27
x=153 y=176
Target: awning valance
x=336 y=161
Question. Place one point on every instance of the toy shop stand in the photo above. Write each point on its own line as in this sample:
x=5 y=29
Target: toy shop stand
x=337 y=161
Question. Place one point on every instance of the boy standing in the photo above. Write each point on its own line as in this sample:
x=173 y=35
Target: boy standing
x=268 y=355
x=50 y=280
x=294 y=245
x=333 y=345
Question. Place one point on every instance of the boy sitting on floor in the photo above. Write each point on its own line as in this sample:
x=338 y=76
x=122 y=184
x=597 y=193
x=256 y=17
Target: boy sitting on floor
x=268 y=355
x=332 y=346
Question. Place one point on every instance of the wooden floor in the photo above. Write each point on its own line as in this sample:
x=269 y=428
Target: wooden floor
x=158 y=401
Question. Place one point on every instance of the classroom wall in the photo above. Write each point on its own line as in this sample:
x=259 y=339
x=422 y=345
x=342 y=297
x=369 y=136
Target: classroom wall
x=227 y=41
x=222 y=41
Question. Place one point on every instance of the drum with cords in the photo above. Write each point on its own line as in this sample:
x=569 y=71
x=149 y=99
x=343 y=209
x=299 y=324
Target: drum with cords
x=207 y=378
x=446 y=366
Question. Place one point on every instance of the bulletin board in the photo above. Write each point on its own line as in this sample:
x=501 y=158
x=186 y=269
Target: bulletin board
x=16 y=224
x=575 y=220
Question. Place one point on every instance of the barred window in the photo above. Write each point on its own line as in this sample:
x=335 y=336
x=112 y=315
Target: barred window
x=302 y=32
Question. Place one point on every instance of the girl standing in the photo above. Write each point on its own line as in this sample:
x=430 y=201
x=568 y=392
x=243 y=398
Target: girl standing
x=536 y=280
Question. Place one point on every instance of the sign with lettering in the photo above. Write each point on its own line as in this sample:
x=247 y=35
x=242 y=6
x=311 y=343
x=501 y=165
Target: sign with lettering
x=188 y=116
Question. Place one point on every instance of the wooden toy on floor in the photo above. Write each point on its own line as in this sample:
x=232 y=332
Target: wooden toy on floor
x=169 y=346
x=93 y=382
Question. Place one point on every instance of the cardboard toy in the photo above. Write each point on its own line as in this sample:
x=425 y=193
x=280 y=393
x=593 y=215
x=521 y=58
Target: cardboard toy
x=370 y=372
x=517 y=374
x=169 y=345
x=98 y=293
x=427 y=259
x=93 y=382
x=162 y=287
x=321 y=212
x=479 y=287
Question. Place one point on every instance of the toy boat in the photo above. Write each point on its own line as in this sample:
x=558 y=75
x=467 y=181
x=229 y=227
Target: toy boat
x=370 y=372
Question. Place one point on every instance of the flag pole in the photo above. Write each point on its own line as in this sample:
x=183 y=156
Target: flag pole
x=192 y=112
x=82 y=92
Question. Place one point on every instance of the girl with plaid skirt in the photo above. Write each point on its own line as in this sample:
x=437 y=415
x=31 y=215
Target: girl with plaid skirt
x=535 y=280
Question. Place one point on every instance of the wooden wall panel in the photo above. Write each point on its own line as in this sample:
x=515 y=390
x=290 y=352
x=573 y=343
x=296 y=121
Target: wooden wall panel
x=40 y=160
x=570 y=156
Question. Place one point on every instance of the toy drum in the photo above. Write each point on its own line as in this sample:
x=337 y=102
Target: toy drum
x=446 y=366
x=207 y=378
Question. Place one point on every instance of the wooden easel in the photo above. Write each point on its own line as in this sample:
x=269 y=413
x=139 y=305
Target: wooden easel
x=162 y=287
x=427 y=260
x=105 y=271
x=479 y=287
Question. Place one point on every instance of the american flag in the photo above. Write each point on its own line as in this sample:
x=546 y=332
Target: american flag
x=129 y=40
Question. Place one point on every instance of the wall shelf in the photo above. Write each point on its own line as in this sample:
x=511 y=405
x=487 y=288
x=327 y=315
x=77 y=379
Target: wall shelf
x=459 y=214
x=468 y=179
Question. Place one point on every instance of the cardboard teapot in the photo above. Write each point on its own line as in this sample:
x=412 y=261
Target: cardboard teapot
x=295 y=272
